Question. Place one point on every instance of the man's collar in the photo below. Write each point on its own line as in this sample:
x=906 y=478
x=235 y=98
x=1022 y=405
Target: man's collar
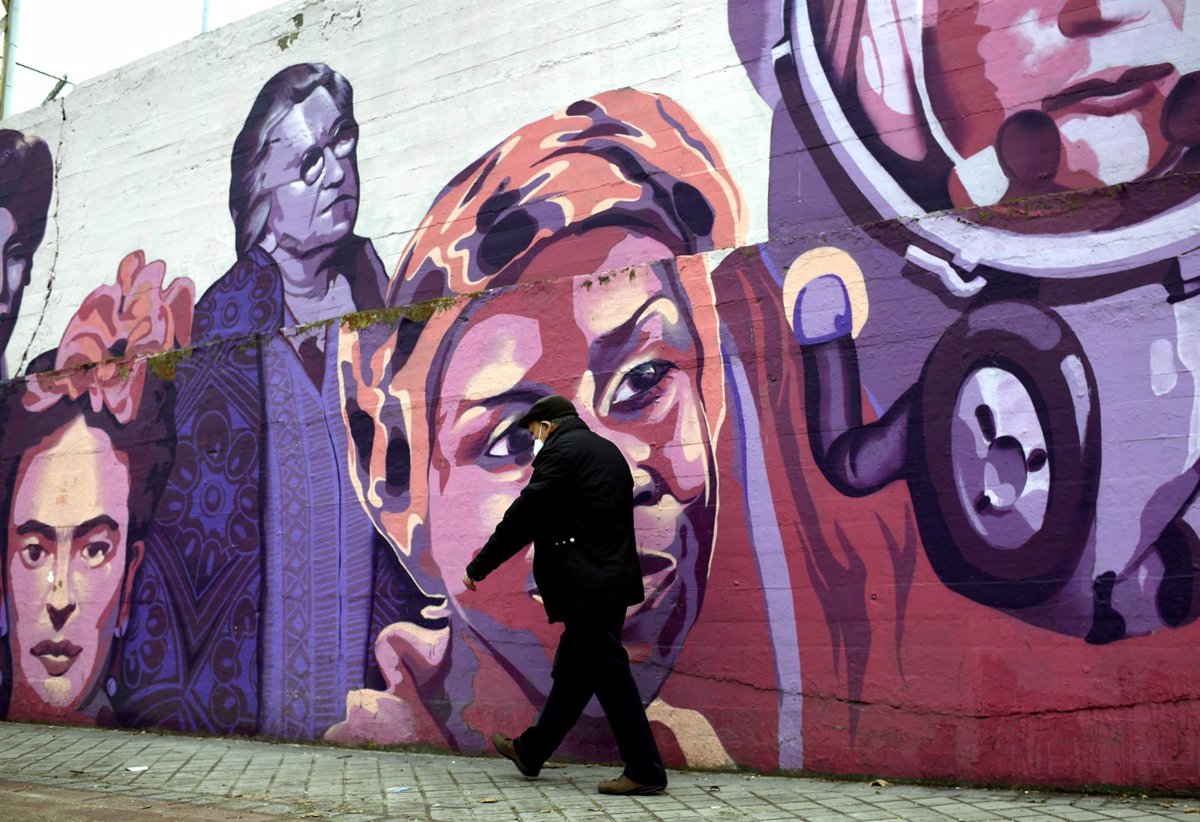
x=570 y=424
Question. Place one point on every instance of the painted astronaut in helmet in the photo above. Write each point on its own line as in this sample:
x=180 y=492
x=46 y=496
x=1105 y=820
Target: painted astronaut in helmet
x=1008 y=189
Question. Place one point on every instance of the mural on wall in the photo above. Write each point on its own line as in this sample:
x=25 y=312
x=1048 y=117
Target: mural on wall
x=999 y=426
x=953 y=396
x=980 y=298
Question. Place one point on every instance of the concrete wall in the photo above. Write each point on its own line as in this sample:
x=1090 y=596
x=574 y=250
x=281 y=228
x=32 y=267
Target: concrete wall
x=890 y=312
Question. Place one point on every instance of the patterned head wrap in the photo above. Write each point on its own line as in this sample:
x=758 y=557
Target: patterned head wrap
x=623 y=158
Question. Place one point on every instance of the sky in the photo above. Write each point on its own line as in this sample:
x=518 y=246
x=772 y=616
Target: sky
x=85 y=38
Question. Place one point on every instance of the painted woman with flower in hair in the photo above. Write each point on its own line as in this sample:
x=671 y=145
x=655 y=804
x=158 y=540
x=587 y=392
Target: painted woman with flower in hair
x=581 y=237
x=86 y=450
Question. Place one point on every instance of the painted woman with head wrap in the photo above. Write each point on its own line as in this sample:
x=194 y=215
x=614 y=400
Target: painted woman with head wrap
x=578 y=239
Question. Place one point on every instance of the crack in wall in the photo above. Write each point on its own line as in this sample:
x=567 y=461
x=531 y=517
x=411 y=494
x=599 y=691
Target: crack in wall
x=1032 y=208
x=62 y=138
x=835 y=699
x=421 y=311
x=810 y=698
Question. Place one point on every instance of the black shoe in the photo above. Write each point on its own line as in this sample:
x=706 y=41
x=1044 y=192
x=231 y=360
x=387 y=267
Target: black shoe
x=624 y=786
x=505 y=747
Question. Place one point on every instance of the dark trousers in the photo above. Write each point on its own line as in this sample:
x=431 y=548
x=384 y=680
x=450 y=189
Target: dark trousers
x=591 y=660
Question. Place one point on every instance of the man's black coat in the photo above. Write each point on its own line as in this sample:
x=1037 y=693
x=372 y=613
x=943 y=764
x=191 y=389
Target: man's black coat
x=577 y=510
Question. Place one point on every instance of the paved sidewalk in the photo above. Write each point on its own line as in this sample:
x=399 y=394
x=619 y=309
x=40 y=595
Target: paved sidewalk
x=76 y=773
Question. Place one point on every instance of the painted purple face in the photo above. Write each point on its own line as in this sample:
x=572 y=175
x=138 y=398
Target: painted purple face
x=311 y=172
x=14 y=276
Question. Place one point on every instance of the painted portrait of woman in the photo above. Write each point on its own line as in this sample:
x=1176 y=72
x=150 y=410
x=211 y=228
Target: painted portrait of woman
x=26 y=180
x=86 y=450
x=580 y=238
x=262 y=593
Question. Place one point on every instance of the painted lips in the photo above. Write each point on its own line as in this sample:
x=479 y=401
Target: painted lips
x=1109 y=96
x=56 y=656
x=345 y=198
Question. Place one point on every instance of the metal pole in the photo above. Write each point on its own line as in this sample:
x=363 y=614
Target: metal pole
x=12 y=26
x=62 y=81
x=3 y=51
x=204 y=17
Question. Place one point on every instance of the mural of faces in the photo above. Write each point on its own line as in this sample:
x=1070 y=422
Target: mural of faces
x=905 y=362
x=69 y=568
x=627 y=354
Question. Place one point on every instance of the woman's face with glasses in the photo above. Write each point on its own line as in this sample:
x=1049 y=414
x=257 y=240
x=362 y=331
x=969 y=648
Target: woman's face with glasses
x=311 y=173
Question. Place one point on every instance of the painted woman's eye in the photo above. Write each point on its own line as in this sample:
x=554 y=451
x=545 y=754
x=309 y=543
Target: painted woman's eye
x=33 y=554
x=345 y=140
x=637 y=385
x=511 y=443
x=312 y=164
x=96 y=552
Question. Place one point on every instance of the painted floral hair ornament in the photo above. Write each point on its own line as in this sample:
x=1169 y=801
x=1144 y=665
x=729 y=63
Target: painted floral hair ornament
x=104 y=349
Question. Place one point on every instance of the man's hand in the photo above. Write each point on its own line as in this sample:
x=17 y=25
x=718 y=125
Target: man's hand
x=467 y=581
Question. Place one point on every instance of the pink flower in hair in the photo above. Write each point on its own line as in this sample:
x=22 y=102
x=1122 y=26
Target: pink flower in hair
x=103 y=351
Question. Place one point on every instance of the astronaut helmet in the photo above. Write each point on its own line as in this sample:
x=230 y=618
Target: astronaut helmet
x=969 y=119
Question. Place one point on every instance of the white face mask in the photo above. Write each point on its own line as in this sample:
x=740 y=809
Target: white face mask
x=537 y=444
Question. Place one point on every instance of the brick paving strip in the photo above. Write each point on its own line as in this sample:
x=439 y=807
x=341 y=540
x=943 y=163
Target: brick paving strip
x=50 y=772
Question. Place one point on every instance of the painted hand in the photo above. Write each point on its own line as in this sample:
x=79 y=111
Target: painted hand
x=410 y=656
x=467 y=581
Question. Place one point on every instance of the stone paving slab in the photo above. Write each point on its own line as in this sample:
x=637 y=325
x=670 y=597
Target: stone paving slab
x=206 y=778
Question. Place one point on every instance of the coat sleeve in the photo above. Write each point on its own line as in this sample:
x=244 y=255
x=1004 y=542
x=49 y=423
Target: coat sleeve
x=517 y=527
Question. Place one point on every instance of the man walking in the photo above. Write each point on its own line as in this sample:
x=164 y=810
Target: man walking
x=578 y=511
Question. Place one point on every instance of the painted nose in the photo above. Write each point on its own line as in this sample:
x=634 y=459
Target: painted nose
x=334 y=173
x=647 y=486
x=59 y=616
